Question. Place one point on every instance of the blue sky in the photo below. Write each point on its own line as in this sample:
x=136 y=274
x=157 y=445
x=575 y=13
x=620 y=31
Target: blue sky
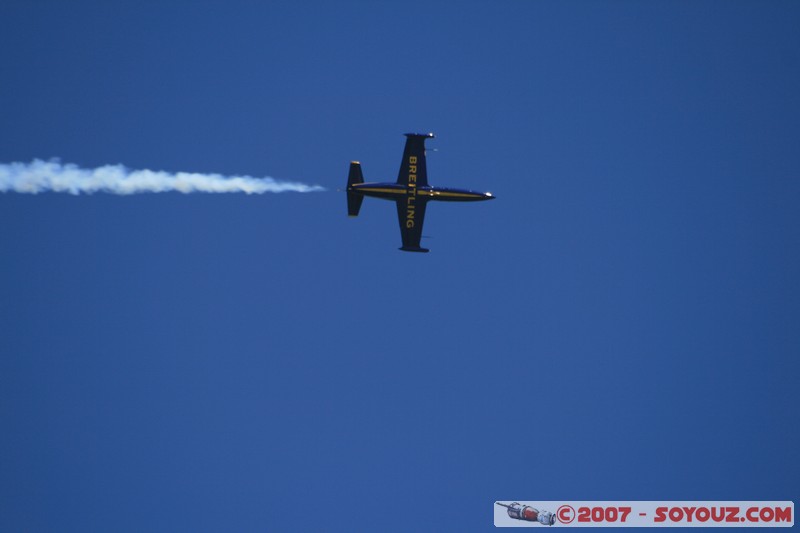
x=621 y=323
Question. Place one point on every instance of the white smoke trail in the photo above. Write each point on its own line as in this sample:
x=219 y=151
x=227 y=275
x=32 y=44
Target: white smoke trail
x=41 y=176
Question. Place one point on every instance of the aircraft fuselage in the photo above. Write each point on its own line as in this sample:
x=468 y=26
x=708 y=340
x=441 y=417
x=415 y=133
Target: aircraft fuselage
x=394 y=191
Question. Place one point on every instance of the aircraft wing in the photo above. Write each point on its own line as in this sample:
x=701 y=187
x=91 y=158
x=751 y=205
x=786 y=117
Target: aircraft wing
x=413 y=168
x=411 y=224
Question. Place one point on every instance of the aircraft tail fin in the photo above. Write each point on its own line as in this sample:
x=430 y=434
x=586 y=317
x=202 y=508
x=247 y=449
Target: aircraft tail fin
x=354 y=199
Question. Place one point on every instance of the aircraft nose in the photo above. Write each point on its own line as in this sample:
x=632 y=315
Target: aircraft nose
x=489 y=196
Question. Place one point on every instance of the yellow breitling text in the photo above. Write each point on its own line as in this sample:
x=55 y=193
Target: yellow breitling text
x=412 y=191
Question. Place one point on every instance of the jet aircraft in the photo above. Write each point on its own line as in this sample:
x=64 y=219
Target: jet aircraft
x=411 y=193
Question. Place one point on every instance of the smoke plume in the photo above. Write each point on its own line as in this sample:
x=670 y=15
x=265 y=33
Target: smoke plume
x=42 y=176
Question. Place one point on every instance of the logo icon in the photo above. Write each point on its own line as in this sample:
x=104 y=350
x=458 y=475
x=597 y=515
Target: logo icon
x=529 y=514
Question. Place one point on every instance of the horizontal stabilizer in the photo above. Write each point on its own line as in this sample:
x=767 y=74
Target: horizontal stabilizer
x=354 y=203
x=414 y=249
x=354 y=199
x=355 y=175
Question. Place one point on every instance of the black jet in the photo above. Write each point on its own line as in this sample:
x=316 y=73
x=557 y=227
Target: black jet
x=411 y=193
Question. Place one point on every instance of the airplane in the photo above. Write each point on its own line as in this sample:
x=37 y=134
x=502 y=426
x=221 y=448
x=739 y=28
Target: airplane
x=411 y=193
